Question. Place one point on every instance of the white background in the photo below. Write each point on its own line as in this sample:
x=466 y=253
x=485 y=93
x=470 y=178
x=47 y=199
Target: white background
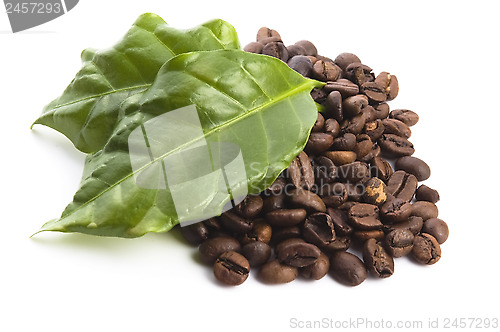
x=446 y=58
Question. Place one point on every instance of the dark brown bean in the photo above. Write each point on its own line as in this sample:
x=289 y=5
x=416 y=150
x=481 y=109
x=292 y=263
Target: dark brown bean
x=341 y=157
x=426 y=249
x=425 y=210
x=395 y=210
x=425 y=193
x=265 y=32
x=318 y=269
x=250 y=207
x=274 y=272
x=195 y=233
x=359 y=73
x=347 y=268
x=318 y=143
x=414 y=166
x=413 y=224
x=297 y=254
x=399 y=242
x=334 y=106
x=345 y=87
x=395 y=146
x=374 y=91
x=332 y=127
x=437 y=228
x=402 y=185
x=231 y=268
x=235 y=223
x=300 y=172
x=389 y=83
x=396 y=127
x=346 y=142
x=214 y=247
x=410 y=118
x=374 y=129
x=286 y=217
x=353 y=106
x=381 y=168
x=325 y=71
x=276 y=49
x=377 y=260
x=256 y=252
x=318 y=229
x=340 y=222
x=352 y=172
x=345 y=59
x=307 y=200
x=364 y=216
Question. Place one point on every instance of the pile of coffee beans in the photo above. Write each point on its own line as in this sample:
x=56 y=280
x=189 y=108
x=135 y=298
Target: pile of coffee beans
x=355 y=186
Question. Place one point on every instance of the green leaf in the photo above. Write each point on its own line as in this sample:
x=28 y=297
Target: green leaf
x=89 y=109
x=251 y=101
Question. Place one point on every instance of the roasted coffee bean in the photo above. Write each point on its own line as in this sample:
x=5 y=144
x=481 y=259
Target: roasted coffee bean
x=250 y=207
x=212 y=224
x=426 y=249
x=268 y=40
x=399 y=242
x=253 y=47
x=326 y=71
x=396 y=127
x=361 y=235
x=425 y=193
x=414 y=166
x=332 y=127
x=307 y=200
x=395 y=146
x=370 y=113
x=374 y=91
x=341 y=157
x=413 y=224
x=354 y=125
x=437 y=228
x=214 y=247
x=359 y=73
x=352 y=172
x=364 y=216
x=333 y=194
x=276 y=188
x=261 y=232
x=318 y=143
x=276 y=49
x=425 y=210
x=318 y=229
x=347 y=268
x=340 y=222
x=345 y=87
x=381 y=168
x=375 y=191
x=286 y=217
x=300 y=172
x=333 y=106
x=319 y=95
x=353 y=106
x=195 y=233
x=274 y=272
x=377 y=260
x=374 y=129
x=402 y=185
x=319 y=125
x=236 y=223
x=355 y=191
x=395 y=210
x=375 y=152
x=294 y=50
x=345 y=59
x=389 y=83
x=318 y=269
x=324 y=170
x=341 y=243
x=231 y=268
x=382 y=110
x=309 y=47
x=297 y=254
x=346 y=142
x=274 y=202
x=256 y=252
x=265 y=32
x=301 y=64
x=410 y=118
x=363 y=146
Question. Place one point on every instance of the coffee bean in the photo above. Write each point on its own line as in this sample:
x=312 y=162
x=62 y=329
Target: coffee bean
x=364 y=216
x=277 y=50
x=396 y=127
x=345 y=59
x=425 y=193
x=395 y=146
x=236 y=223
x=318 y=143
x=318 y=269
x=325 y=170
x=361 y=235
x=332 y=127
x=395 y=210
x=369 y=113
x=375 y=191
x=345 y=87
x=250 y=207
x=261 y=232
x=437 y=228
x=301 y=64
x=354 y=191
x=286 y=217
x=297 y=254
x=374 y=129
x=352 y=172
x=414 y=166
x=283 y=233
x=294 y=50
x=377 y=260
x=214 y=247
x=363 y=146
x=309 y=47
x=325 y=71
x=300 y=172
x=333 y=106
x=319 y=95
x=425 y=210
x=318 y=229
x=276 y=188
x=265 y=32
x=256 y=252
x=274 y=272
x=341 y=243
x=375 y=152
x=402 y=185
x=268 y=40
x=346 y=142
x=399 y=242
x=319 y=125
x=253 y=47
x=359 y=73
x=413 y=224
x=195 y=233
x=354 y=125
x=382 y=110
x=353 y=106
x=347 y=268
x=341 y=157
x=274 y=202
x=426 y=249
x=389 y=83
x=410 y=118
x=374 y=91
x=231 y=268
x=333 y=194
x=307 y=200
x=381 y=168
x=340 y=222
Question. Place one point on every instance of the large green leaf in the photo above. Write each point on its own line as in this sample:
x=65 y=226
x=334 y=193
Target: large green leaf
x=252 y=101
x=89 y=109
